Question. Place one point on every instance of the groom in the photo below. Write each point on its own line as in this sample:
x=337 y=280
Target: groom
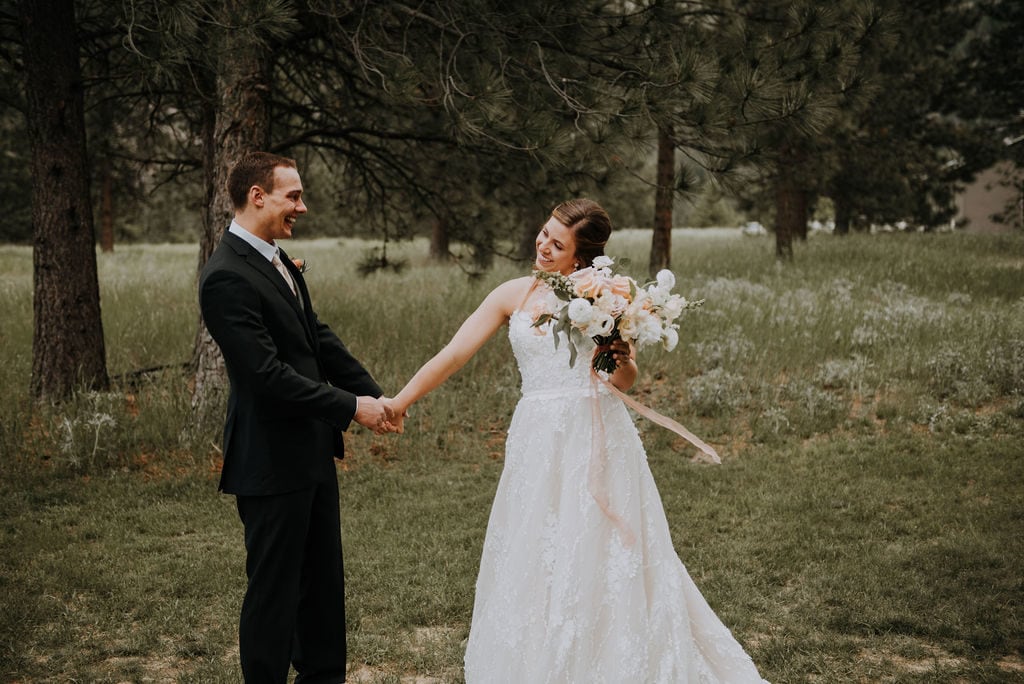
x=294 y=389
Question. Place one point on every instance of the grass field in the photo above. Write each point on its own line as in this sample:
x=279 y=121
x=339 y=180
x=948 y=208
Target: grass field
x=867 y=524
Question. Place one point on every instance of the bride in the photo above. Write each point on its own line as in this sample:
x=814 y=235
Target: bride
x=578 y=581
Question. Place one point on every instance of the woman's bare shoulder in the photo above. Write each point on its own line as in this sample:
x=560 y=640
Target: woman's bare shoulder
x=511 y=294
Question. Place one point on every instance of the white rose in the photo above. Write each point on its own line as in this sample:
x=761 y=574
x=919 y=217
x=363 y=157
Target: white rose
x=642 y=327
x=649 y=331
x=670 y=339
x=659 y=295
x=673 y=307
x=602 y=262
x=640 y=301
x=666 y=279
x=602 y=325
x=633 y=320
x=627 y=327
x=611 y=304
x=581 y=311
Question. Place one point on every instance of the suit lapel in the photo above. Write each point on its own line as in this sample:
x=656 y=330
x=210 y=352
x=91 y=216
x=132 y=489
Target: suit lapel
x=302 y=298
x=267 y=270
x=302 y=302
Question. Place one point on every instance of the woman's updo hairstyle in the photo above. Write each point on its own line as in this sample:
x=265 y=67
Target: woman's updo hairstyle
x=590 y=226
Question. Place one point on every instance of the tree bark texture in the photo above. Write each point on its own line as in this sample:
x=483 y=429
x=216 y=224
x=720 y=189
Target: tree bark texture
x=440 y=247
x=786 y=213
x=664 y=198
x=238 y=122
x=842 y=206
x=530 y=221
x=103 y=160
x=800 y=227
x=106 y=206
x=67 y=344
x=790 y=206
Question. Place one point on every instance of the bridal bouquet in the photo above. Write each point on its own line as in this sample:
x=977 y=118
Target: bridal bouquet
x=597 y=303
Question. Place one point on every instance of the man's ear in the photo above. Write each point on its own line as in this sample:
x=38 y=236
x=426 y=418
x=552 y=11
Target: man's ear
x=256 y=195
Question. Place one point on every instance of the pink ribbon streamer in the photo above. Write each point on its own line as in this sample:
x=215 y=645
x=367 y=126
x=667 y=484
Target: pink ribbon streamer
x=595 y=473
x=664 y=421
x=595 y=469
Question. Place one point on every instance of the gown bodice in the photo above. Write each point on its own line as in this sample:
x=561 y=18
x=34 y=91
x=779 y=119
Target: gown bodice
x=545 y=369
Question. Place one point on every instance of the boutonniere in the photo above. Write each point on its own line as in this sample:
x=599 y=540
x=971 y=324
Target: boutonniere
x=302 y=265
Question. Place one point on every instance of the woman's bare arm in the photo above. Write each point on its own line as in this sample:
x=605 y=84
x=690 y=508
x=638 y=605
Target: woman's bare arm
x=481 y=325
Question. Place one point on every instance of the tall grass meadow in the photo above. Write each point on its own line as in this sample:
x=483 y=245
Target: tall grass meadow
x=866 y=523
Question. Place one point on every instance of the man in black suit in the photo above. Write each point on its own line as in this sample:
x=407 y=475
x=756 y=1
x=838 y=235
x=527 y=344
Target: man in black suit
x=294 y=389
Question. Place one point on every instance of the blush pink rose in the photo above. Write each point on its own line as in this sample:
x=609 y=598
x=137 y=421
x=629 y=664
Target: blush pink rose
x=620 y=286
x=587 y=283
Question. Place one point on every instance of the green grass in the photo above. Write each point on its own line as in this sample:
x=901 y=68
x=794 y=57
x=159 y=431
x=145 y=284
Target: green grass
x=866 y=525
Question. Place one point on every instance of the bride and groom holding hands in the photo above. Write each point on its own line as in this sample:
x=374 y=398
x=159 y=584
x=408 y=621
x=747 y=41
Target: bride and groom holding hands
x=563 y=594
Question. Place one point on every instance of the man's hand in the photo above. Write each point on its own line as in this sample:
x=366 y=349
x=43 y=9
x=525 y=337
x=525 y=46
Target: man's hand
x=398 y=415
x=374 y=414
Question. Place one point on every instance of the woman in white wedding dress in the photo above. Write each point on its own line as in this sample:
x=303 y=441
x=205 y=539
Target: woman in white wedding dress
x=579 y=582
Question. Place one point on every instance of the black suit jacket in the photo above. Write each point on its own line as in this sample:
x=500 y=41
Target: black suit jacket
x=293 y=383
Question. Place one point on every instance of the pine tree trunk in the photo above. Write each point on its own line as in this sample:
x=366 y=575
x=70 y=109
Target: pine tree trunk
x=783 y=224
x=67 y=345
x=528 y=229
x=790 y=207
x=802 y=209
x=239 y=122
x=106 y=207
x=439 y=245
x=842 y=206
x=664 y=198
x=102 y=144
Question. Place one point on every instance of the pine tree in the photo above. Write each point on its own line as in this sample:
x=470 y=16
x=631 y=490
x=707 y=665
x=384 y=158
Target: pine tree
x=991 y=79
x=742 y=88
x=819 y=54
x=67 y=346
x=900 y=157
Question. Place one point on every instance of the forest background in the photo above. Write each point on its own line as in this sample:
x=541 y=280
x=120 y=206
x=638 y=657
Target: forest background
x=470 y=119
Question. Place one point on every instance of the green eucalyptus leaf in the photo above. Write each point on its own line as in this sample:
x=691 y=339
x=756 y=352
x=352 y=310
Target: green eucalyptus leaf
x=576 y=336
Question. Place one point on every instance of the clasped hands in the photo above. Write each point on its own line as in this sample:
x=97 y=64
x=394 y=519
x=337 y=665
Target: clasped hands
x=380 y=415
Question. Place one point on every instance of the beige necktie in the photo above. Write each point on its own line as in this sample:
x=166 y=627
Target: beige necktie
x=276 y=261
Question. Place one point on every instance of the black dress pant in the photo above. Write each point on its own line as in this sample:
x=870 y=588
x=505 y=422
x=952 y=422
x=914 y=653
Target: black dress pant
x=294 y=606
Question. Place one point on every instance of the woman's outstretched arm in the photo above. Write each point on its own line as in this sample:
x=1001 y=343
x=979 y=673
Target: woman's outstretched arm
x=492 y=313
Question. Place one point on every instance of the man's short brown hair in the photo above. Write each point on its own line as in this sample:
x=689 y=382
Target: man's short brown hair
x=254 y=168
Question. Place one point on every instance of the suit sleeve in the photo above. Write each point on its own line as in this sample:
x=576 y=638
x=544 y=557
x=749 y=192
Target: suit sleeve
x=231 y=309
x=342 y=369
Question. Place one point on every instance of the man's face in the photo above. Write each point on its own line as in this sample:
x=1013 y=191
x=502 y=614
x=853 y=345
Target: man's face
x=282 y=206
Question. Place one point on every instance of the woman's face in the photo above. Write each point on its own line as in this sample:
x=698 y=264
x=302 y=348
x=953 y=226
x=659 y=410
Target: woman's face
x=556 y=248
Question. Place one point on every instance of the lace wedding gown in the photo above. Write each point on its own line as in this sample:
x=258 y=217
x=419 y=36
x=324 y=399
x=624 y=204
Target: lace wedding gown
x=565 y=595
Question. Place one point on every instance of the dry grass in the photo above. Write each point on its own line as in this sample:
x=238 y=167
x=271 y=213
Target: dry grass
x=865 y=526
